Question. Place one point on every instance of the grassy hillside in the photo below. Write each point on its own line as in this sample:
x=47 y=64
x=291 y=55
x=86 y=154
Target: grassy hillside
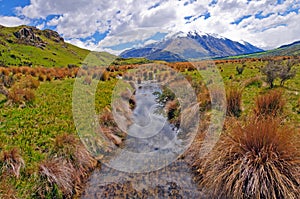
x=52 y=53
x=287 y=50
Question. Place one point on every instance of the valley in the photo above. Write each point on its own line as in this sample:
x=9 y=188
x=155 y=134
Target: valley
x=169 y=120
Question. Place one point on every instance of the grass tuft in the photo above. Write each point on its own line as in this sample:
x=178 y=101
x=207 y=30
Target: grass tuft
x=56 y=173
x=259 y=160
x=234 y=102
x=270 y=104
x=12 y=162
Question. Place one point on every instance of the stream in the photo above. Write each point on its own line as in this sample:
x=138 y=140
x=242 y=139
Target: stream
x=148 y=165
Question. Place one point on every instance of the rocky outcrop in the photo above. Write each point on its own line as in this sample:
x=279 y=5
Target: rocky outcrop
x=28 y=36
x=50 y=34
x=32 y=36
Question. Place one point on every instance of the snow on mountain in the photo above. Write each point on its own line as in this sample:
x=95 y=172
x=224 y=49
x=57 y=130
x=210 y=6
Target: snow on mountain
x=191 y=45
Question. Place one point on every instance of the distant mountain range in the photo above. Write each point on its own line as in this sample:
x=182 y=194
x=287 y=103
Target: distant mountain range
x=193 y=45
x=29 y=46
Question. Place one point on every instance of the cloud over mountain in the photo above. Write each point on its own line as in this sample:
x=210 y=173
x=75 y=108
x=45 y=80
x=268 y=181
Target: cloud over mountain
x=109 y=24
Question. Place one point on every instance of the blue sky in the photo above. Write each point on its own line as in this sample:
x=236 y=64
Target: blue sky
x=118 y=25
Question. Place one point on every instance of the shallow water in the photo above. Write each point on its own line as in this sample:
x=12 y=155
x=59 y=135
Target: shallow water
x=147 y=166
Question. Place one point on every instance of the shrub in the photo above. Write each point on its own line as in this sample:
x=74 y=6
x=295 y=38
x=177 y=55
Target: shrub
x=287 y=72
x=240 y=69
x=279 y=69
x=271 y=70
x=234 y=101
x=270 y=104
x=259 y=160
x=12 y=162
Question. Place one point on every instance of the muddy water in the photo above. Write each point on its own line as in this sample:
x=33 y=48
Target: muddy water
x=150 y=133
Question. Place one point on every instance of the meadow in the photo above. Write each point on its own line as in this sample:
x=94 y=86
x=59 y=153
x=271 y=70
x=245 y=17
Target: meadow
x=257 y=156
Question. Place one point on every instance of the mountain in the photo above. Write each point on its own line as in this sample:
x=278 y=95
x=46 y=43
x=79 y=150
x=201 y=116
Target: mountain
x=193 y=45
x=284 y=50
x=26 y=45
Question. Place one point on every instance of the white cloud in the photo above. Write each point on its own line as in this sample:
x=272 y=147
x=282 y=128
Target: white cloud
x=90 y=45
x=12 y=21
x=128 y=20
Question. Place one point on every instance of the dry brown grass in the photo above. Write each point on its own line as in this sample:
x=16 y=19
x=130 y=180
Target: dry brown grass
x=56 y=172
x=105 y=76
x=68 y=167
x=269 y=104
x=6 y=190
x=234 y=102
x=258 y=160
x=74 y=151
x=19 y=95
x=106 y=119
x=12 y=163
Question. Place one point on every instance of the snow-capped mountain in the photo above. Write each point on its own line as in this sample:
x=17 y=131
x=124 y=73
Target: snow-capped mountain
x=193 y=45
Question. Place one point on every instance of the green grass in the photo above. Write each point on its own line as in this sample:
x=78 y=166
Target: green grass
x=285 y=51
x=130 y=61
x=33 y=128
x=61 y=54
x=291 y=88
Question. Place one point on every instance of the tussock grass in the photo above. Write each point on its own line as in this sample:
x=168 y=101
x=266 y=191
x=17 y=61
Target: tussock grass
x=56 y=173
x=234 y=102
x=66 y=169
x=269 y=104
x=11 y=163
x=69 y=147
x=258 y=160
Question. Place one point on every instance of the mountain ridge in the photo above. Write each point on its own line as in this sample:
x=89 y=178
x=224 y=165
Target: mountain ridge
x=192 y=45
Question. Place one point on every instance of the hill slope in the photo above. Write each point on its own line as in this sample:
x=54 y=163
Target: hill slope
x=191 y=46
x=25 y=45
x=284 y=50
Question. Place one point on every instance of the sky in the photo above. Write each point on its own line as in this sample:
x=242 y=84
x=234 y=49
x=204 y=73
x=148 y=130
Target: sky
x=114 y=26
